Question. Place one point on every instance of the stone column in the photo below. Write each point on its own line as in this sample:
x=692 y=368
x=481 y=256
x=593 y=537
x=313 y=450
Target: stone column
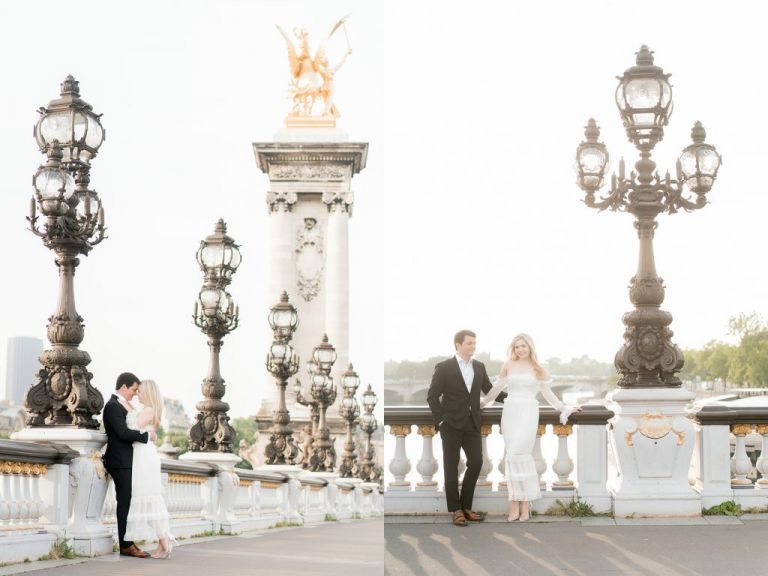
x=337 y=276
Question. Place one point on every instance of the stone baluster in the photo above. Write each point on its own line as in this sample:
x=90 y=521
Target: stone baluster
x=5 y=500
x=538 y=458
x=563 y=465
x=400 y=465
x=762 y=462
x=27 y=504
x=482 y=481
x=427 y=466
x=741 y=465
x=15 y=500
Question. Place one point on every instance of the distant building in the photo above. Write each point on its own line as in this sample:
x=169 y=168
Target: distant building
x=175 y=420
x=21 y=366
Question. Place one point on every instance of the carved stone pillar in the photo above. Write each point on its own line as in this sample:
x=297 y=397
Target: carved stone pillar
x=310 y=170
x=400 y=465
x=563 y=465
x=427 y=466
x=741 y=465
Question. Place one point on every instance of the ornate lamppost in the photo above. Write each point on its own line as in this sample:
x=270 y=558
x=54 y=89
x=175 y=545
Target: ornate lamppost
x=282 y=363
x=650 y=397
x=216 y=315
x=70 y=134
x=349 y=409
x=323 y=455
x=310 y=428
x=368 y=425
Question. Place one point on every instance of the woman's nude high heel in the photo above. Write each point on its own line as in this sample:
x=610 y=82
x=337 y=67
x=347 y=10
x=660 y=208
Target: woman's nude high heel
x=525 y=511
x=514 y=511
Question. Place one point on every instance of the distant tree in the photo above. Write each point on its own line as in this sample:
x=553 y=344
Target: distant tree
x=245 y=428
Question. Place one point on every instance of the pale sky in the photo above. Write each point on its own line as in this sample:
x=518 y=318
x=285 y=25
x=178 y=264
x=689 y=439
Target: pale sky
x=467 y=215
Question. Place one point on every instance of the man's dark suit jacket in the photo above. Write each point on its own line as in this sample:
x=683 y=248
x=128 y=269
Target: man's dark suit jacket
x=449 y=399
x=120 y=438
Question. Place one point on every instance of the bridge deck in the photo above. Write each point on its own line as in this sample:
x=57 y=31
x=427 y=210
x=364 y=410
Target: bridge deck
x=549 y=546
x=350 y=547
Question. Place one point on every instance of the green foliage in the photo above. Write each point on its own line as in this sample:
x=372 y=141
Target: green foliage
x=744 y=364
x=210 y=533
x=576 y=508
x=245 y=428
x=727 y=508
x=331 y=518
x=180 y=441
x=59 y=549
x=285 y=524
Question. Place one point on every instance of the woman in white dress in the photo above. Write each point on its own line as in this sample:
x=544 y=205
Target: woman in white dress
x=148 y=515
x=522 y=377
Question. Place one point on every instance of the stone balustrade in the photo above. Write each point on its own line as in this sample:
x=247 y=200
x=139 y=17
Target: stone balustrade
x=721 y=469
x=721 y=473
x=34 y=482
x=585 y=434
x=40 y=495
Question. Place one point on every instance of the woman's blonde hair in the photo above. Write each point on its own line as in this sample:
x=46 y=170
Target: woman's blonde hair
x=151 y=394
x=538 y=369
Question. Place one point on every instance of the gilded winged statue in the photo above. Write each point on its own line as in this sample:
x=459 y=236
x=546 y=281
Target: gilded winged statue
x=312 y=77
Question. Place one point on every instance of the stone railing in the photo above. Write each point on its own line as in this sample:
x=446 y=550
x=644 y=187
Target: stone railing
x=34 y=481
x=44 y=496
x=720 y=470
x=721 y=473
x=423 y=494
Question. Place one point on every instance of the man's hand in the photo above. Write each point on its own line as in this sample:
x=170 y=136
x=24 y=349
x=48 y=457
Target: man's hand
x=152 y=435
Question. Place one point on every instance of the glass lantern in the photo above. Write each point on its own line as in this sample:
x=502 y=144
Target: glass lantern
x=644 y=98
x=699 y=162
x=72 y=122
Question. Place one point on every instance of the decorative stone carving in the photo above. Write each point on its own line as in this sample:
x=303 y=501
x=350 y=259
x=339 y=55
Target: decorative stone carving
x=281 y=201
x=303 y=172
x=309 y=259
x=339 y=201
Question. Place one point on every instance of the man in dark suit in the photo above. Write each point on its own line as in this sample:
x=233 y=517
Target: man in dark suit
x=118 y=459
x=454 y=398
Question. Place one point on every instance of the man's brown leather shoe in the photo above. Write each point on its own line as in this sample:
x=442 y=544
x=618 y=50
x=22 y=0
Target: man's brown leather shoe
x=458 y=518
x=473 y=516
x=134 y=551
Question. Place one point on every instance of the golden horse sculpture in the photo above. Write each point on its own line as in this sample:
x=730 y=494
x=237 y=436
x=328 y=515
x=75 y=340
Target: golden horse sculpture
x=312 y=78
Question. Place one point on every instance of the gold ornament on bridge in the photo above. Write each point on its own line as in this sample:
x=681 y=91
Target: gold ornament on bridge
x=312 y=79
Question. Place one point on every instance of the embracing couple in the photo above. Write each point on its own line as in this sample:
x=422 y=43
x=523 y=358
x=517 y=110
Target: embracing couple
x=455 y=402
x=133 y=463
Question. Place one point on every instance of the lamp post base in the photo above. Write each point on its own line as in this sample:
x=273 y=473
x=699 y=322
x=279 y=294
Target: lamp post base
x=653 y=442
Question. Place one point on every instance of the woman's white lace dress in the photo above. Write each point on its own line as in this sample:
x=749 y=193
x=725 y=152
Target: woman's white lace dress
x=148 y=515
x=519 y=420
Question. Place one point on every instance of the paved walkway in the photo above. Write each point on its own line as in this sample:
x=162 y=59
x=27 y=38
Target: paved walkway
x=346 y=547
x=550 y=546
